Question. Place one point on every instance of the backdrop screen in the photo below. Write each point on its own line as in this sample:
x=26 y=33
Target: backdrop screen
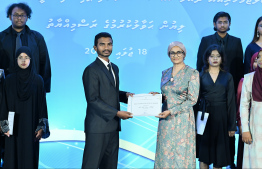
x=141 y=31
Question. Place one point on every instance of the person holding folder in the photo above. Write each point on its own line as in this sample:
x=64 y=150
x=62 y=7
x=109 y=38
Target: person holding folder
x=217 y=97
x=24 y=96
x=2 y=139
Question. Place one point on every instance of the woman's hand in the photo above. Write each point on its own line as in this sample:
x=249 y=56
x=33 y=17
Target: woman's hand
x=164 y=114
x=39 y=134
x=154 y=93
x=231 y=133
x=7 y=134
x=246 y=137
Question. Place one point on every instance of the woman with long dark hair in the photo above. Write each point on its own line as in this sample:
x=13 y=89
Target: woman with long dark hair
x=254 y=46
x=217 y=97
x=24 y=94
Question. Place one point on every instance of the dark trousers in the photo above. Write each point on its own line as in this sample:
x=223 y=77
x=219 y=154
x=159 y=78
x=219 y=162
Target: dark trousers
x=101 y=150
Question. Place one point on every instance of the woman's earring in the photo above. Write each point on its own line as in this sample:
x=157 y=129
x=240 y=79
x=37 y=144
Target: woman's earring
x=257 y=34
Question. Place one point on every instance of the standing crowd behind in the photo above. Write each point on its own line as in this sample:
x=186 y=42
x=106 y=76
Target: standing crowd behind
x=223 y=93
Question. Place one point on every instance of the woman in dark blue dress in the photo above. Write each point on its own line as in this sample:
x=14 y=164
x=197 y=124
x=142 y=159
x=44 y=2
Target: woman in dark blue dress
x=254 y=46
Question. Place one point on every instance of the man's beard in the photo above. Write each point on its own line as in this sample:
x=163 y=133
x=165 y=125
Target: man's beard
x=223 y=31
x=18 y=27
x=101 y=53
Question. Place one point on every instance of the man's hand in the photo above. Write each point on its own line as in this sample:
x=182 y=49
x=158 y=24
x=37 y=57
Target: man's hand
x=246 y=137
x=124 y=115
x=164 y=114
x=7 y=134
x=231 y=133
x=129 y=94
x=39 y=134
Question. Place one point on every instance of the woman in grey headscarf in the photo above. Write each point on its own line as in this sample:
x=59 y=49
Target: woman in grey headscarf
x=176 y=130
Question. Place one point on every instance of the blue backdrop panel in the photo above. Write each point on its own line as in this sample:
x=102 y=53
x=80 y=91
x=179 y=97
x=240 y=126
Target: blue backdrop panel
x=141 y=31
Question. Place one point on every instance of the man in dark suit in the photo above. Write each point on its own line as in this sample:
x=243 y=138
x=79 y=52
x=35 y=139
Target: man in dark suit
x=19 y=34
x=102 y=122
x=232 y=47
x=234 y=55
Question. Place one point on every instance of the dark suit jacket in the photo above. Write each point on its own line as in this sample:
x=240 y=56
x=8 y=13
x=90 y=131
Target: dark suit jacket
x=234 y=56
x=102 y=98
x=38 y=47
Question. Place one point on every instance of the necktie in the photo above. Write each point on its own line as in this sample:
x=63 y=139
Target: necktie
x=222 y=44
x=18 y=42
x=110 y=71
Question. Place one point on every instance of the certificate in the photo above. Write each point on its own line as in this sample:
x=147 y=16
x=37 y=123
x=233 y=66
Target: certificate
x=11 y=117
x=201 y=124
x=145 y=104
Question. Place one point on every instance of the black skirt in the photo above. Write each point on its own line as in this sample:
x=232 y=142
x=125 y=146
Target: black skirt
x=213 y=145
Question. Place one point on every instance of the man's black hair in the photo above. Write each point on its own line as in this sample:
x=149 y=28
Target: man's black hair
x=100 y=35
x=23 y=6
x=219 y=15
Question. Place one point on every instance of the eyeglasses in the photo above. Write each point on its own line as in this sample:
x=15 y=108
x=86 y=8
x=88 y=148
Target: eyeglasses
x=222 y=22
x=218 y=56
x=19 y=16
x=21 y=58
x=178 y=53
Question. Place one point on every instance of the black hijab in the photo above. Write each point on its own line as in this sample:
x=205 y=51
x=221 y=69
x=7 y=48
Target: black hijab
x=25 y=77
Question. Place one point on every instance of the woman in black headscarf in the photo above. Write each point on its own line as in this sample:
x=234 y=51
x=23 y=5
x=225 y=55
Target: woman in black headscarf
x=24 y=94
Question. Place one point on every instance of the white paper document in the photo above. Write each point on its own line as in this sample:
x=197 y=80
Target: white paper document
x=201 y=124
x=11 y=117
x=145 y=104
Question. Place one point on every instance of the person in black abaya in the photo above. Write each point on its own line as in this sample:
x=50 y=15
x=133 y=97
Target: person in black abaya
x=2 y=139
x=24 y=94
x=217 y=97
